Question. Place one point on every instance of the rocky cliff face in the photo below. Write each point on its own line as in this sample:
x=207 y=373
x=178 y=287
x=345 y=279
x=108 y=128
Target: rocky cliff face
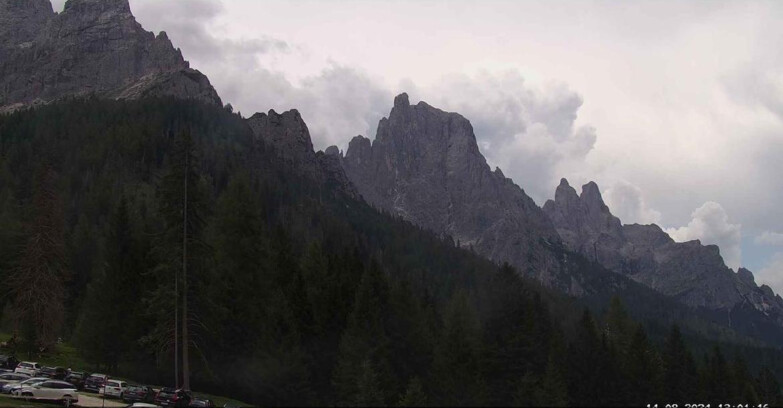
x=288 y=135
x=92 y=47
x=689 y=271
x=425 y=166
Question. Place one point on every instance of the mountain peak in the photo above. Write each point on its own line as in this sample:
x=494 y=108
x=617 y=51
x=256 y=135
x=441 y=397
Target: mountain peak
x=591 y=193
x=565 y=193
x=746 y=276
x=402 y=100
x=425 y=166
x=91 y=47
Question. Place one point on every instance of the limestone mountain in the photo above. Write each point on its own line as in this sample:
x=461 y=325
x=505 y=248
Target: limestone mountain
x=425 y=166
x=288 y=135
x=689 y=271
x=91 y=47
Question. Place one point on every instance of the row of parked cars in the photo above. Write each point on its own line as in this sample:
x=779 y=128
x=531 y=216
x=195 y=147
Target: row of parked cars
x=30 y=380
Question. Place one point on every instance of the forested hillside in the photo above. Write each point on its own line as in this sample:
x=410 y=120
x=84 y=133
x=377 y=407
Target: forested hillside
x=297 y=294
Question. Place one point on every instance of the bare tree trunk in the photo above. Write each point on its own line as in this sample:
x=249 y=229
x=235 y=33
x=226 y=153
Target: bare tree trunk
x=185 y=341
x=176 y=330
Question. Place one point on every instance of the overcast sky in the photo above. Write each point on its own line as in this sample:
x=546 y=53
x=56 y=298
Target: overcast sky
x=675 y=108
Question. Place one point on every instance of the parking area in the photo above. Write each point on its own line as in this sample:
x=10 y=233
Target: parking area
x=88 y=400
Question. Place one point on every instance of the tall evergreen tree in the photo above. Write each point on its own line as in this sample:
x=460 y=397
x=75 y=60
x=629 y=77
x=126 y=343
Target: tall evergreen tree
x=457 y=372
x=106 y=335
x=363 y=364
x=680 y=378
x=38 y=284
x=181 y=251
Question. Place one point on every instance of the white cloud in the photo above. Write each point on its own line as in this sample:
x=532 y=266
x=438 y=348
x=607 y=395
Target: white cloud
x=528 y=131
x=686 y=97
x=711 y=225
x=627 y=203
x=769 y=238
x=772 y=273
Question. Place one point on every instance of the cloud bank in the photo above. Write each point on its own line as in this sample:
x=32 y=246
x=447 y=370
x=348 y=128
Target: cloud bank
x=627 y=203
x=711 y=225
x=666 y=105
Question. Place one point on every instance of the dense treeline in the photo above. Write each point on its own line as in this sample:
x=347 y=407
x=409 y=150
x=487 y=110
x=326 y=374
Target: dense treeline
x=295 y=293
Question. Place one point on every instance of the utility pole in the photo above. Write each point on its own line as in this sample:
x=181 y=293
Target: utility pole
x=185 y=342
x=176 y=329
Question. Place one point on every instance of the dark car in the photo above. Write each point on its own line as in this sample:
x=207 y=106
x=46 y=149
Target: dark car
x=6 y=378
x=95 y=382
x=169 y=397
x=201 y=403
x=138 y=393
x=8 y=362
x=55 y=373
x=77 y=378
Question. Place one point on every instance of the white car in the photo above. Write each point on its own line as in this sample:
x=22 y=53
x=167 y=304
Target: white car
x=13 y=386
x=27 y=367
x=50 y=390
x=114 y=388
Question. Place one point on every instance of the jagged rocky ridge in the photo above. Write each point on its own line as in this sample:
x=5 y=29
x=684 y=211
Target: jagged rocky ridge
x=287 y=133
x=425 y=166
x=91 y=47
x=689 y=271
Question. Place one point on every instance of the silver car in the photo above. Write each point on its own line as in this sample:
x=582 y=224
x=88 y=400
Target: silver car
x=10 y=387
x=49 y=390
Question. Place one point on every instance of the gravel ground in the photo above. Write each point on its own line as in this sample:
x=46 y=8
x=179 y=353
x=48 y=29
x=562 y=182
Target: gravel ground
x=91 y=400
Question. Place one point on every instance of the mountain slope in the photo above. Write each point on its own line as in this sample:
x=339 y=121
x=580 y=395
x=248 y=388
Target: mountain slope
x=425 y=166
x=693 y=273
x=92 y=47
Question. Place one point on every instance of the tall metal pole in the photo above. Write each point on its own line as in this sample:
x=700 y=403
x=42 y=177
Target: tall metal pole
x=176 y=329
x=185 y=342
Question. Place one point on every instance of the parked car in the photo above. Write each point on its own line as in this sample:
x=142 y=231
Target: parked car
x=55 y=373
x=13 y=386
x=50 y=390
x=170 y=397
x=114 y=388
x=27 y=367
x=95 y=382
x=201 y=403
x=139 y=393
x=6 y=378
x=8 y=362
x=142 y=405
x=77 y=378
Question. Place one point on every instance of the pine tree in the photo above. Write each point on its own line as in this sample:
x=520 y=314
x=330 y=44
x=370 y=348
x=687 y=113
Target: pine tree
x=414 y=394
x=768 y=388
x=364 y=347
x=680 y=378
x=584 y=358
x=642 y=369
x=181 y=251
x=457 y=365
x=106 y=335
x=38 y=286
